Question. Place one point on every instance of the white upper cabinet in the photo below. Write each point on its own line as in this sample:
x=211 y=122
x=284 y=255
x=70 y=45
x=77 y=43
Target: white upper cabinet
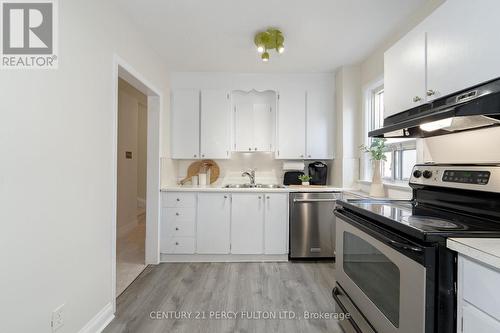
x=185 y=120
x=247 y=223
x=319 y=123
x=404 y=74
x=460 y=49
x=254 y=121
x=214 y=220
x=291 y=124
x=215 y=124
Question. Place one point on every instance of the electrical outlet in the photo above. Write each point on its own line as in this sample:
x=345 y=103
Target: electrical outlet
x=57 y=318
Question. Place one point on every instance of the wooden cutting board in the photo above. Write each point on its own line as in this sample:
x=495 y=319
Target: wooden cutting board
x=195 y=167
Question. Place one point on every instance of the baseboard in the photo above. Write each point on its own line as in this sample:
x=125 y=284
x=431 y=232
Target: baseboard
x=100 y=320
x=223 y=257
x=141 y=202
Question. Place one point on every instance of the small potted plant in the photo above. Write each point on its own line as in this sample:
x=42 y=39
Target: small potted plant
x=376 y=150
x=304 y=179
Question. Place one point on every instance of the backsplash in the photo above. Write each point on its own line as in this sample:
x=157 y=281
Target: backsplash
x=268 y=169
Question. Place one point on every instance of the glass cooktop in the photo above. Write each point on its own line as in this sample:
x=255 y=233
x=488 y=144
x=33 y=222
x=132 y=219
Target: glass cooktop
x=420 y=222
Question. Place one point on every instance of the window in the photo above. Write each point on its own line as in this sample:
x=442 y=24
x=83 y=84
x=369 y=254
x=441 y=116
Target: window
x=401 y=154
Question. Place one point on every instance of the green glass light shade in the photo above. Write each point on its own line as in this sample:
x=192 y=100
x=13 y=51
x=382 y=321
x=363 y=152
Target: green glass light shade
x=267 y=40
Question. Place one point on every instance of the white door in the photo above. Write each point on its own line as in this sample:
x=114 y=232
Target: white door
x=185 y=126
x=276 y=223
x=263 y=125
x=460 y=49
x=404 y=74
x=247 y=223
x=291 y=124
x=213 y=223
x=215 y=124
x=243 y=127
x=320 y=118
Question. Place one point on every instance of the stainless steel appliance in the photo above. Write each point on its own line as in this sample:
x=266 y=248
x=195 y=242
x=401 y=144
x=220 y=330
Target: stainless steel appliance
x=471 y=108
x=393 y=270
x=312 y=224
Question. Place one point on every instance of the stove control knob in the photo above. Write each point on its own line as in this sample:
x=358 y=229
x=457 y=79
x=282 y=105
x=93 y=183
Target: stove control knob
x=427 y=174
x=417 y=173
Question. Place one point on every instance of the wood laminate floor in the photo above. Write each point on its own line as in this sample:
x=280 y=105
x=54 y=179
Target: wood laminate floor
x=241 y=291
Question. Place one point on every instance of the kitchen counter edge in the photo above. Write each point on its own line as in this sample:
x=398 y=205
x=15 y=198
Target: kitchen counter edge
x=485 y=250
x=247 y=190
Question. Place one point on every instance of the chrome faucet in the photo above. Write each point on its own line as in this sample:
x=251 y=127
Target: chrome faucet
x=251 y=174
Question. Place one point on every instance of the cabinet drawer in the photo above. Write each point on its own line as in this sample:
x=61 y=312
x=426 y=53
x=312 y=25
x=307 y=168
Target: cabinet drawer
x=476 y=321
x=178 y=199
x=178 y=245
x=180 y=229
x=480 y=284
x=180 y=214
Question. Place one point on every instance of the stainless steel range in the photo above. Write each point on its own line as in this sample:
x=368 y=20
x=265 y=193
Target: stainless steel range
x=393 y=270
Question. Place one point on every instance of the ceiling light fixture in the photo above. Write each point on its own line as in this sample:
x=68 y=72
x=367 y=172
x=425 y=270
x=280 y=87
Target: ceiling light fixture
x=267 y=40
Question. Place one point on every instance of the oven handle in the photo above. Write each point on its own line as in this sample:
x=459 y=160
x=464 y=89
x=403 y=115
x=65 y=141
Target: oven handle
x=405 y=246
x=419 y=252
x=315 y=200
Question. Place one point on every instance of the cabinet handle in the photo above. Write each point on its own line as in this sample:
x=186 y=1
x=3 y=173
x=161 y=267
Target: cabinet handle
x=194 y=155
x=260 y=197
x=176 y=243
x=178 y=199
x=249 y=149
x=177 y=214
x=176 y=228
x=268 y=197
x=255 y=148
x=301 y=156
x=417 y=99
x=309 y=156
x=431 y=92
x=202 y=155
x=225 y=197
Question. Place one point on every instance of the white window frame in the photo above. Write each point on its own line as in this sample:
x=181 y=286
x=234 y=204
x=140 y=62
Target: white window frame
x=394 y=148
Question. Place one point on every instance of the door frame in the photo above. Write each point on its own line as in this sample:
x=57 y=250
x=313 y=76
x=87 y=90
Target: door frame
x=121 y=69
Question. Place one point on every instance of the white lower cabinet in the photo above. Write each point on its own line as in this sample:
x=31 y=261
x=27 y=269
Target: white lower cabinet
x=214 y=219
x=215 y=223
x=247 y=223
x=276 y=223
x=478 y=306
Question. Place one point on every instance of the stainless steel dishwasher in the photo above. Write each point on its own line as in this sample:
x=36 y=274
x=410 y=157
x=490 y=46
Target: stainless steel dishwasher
x=312 y=224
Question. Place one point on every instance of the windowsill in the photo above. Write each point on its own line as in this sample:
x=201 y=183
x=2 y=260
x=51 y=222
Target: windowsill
x=401 y=185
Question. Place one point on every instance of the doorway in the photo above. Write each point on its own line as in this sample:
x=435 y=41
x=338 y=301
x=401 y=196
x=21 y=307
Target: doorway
x=131 y=185
x=136 y=186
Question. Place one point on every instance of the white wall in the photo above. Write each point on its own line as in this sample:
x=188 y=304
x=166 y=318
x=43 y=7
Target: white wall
x=56 y=170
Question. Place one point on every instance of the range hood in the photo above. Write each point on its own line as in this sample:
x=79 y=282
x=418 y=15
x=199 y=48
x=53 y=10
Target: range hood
x=472 y=108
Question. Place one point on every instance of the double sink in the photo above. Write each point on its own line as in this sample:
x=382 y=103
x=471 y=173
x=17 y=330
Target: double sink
x=254 y=186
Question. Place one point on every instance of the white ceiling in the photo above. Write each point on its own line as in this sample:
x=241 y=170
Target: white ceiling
x=217 y=35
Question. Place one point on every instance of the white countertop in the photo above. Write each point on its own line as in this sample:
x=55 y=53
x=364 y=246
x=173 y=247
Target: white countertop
x=218 y=188
x=486 y=250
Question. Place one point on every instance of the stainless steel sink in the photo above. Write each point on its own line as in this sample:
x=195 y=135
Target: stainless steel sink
x=269 y=186
x=254 y=186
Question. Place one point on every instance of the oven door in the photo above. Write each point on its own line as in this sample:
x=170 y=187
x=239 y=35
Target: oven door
x=382 y=276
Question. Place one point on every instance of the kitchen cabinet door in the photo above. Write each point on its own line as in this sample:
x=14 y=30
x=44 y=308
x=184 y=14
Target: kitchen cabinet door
x=263 y=125
x=215 y=124
x=243 y=127
x=320 y=132
x=247 y=223
x=291 y=124
x=404 y=74
x=460 y=49
x=276 y=223
x=213 y=223
x=475 y=320
x=185 y=128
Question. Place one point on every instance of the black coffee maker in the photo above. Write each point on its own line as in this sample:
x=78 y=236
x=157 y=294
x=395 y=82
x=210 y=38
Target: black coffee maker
x=318 y=171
